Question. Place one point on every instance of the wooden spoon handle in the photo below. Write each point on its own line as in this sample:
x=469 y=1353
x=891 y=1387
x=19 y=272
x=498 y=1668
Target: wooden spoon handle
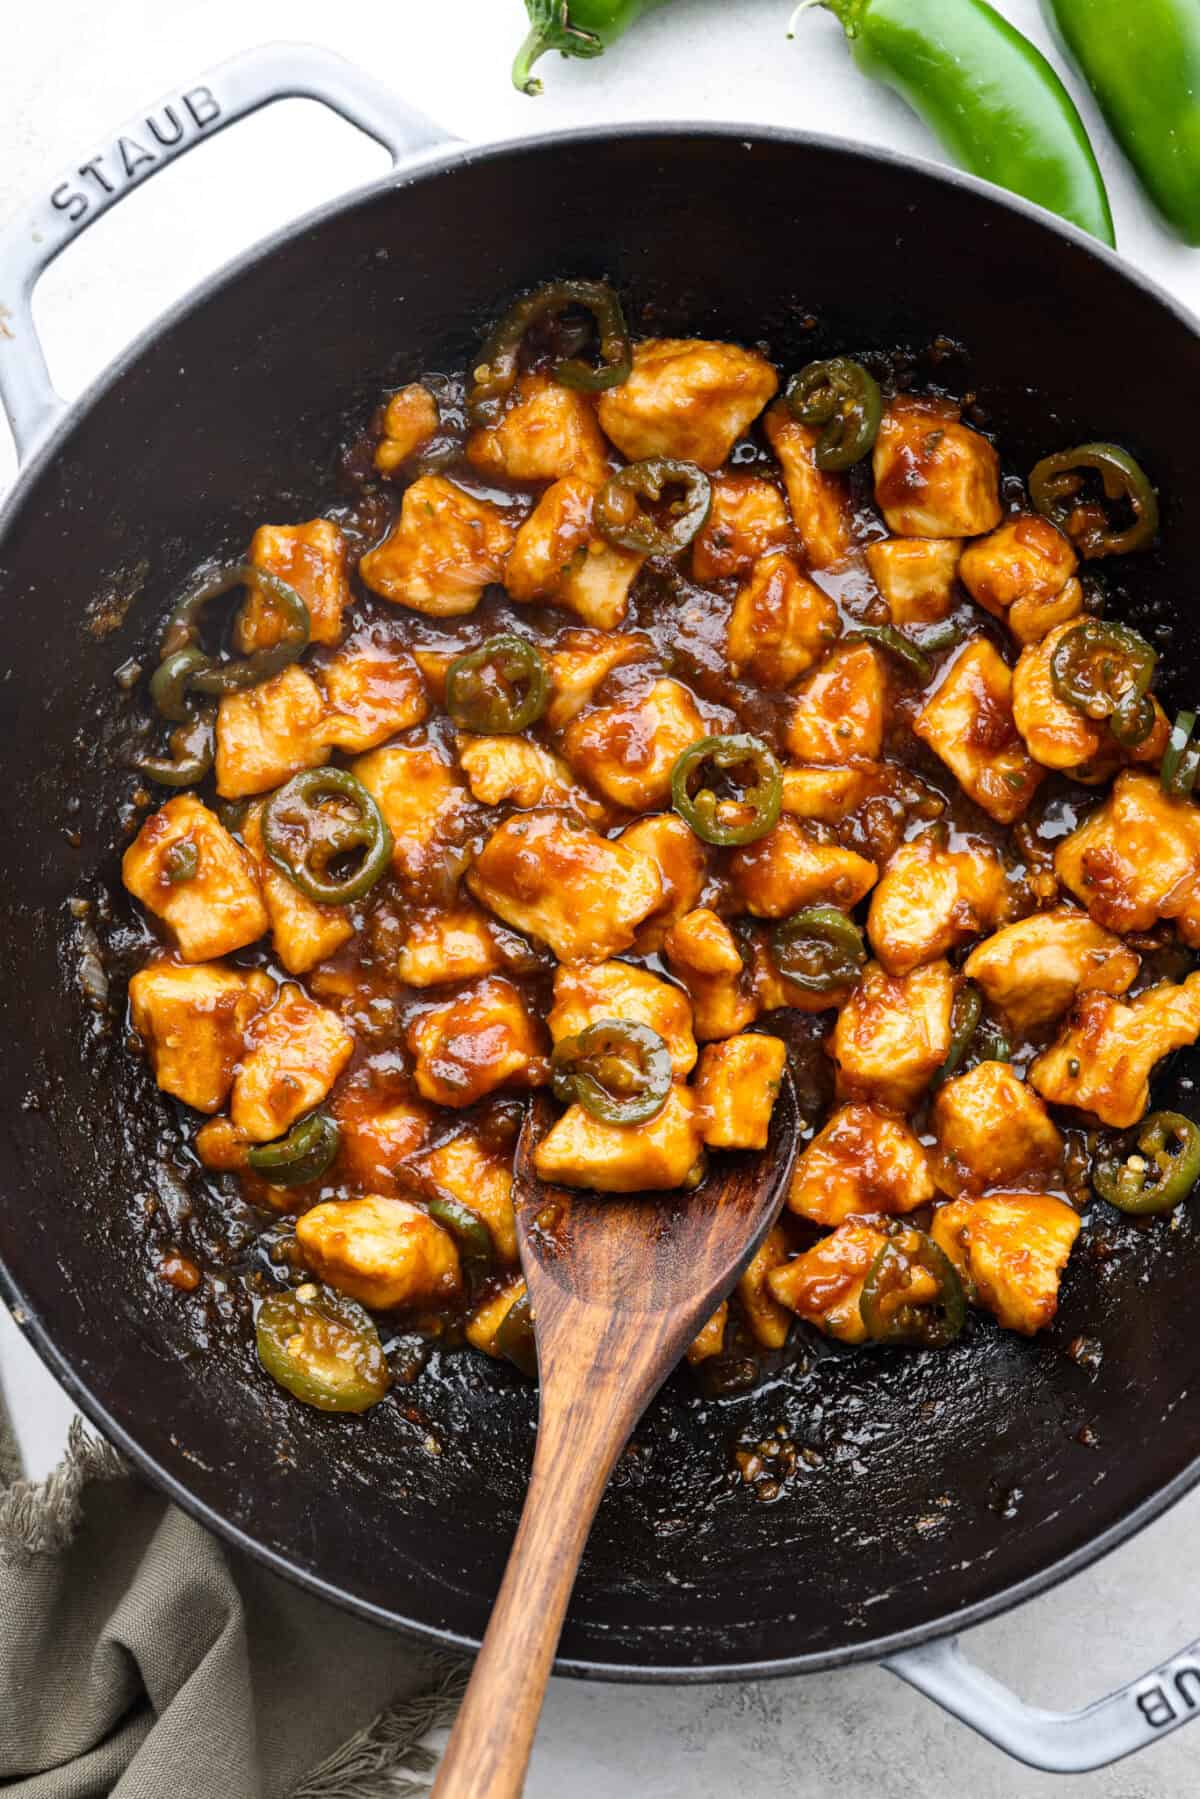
x=489 y=1746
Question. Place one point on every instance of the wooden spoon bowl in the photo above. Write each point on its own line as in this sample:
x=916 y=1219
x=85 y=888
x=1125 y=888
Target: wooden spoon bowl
x=619 y=1286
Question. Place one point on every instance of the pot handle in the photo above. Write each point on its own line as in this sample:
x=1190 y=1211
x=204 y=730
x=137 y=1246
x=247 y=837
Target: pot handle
x=170 y=128
x=1134 y=1716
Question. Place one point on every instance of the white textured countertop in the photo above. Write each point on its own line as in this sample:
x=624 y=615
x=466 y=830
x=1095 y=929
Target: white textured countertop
x=70 y=70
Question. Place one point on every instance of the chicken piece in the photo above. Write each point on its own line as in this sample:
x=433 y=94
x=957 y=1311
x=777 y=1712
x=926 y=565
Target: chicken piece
x=827 y=795
x=702 y=943
x=628 y=750
x=1010 y=1250
x=992 y=1131
x=781 y=623
x=768 y=1320
x=409 y=421
x=517 y=771
x=682 y=863
x=193 y=1022
x=269 y=733
x=710 y=1340
x=220 y=1145
x=481 y=1039
x=297 y=1051
x=445 y=946
x=434 y=666
x=929 y=898
x=701 y=951
x=819 y=503
x=548 y=431
x=445 y=548
x=425 y=805
x=1030 y=620
x=862 y=1161
x=686 y=398
x=556 y=879
x=1026 y=558
x=916 y=576
x=824 y=1285
x=748 y=519
x=582 y=1151
x=893 y=1034
x=841 y=708
x=1033 y=969
x=1136 y=859
x=1056 y=734
x=303 y=932
x=934 y=477
x=587 y=992
x=736 y=1087
x=379 y=1131
x=312 y=559
x=210 y=909
x=558 y=557
x=789 y=868
x=1104 y=1058
x=382 y=1252
x=373 y=689
x=482 y=1180
x=722 y=1005
x=968 y=722
x=483 y=1325
x=581 y=661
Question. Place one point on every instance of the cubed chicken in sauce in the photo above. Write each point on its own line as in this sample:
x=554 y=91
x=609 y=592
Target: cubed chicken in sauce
x=559 y=558
x=441 y=553
x=313 y=560
x=748 y=520
x=969 y=723
x=635 y=789
x=916 y=576
x=864 y=1160
x=934 y=476
x=686 y=399
x=548 y=432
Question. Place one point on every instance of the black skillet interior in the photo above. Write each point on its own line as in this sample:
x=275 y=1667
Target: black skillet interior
x=929 y=1485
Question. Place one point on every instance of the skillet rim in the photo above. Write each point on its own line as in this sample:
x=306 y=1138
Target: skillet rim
x=441 y=158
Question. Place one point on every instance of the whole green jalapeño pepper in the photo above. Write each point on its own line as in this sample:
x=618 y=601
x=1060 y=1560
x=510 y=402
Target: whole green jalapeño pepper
x=991 y=99
x=1141 y=59
x=576 y=27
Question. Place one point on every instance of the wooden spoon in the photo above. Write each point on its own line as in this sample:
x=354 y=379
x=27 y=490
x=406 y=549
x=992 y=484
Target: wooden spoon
x=619 y=1286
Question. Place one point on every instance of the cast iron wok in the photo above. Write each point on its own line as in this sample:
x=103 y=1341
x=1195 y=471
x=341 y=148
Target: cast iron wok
x=900 y=1522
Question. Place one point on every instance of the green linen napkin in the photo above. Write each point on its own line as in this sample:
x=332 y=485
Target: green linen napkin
x=140 y=1658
